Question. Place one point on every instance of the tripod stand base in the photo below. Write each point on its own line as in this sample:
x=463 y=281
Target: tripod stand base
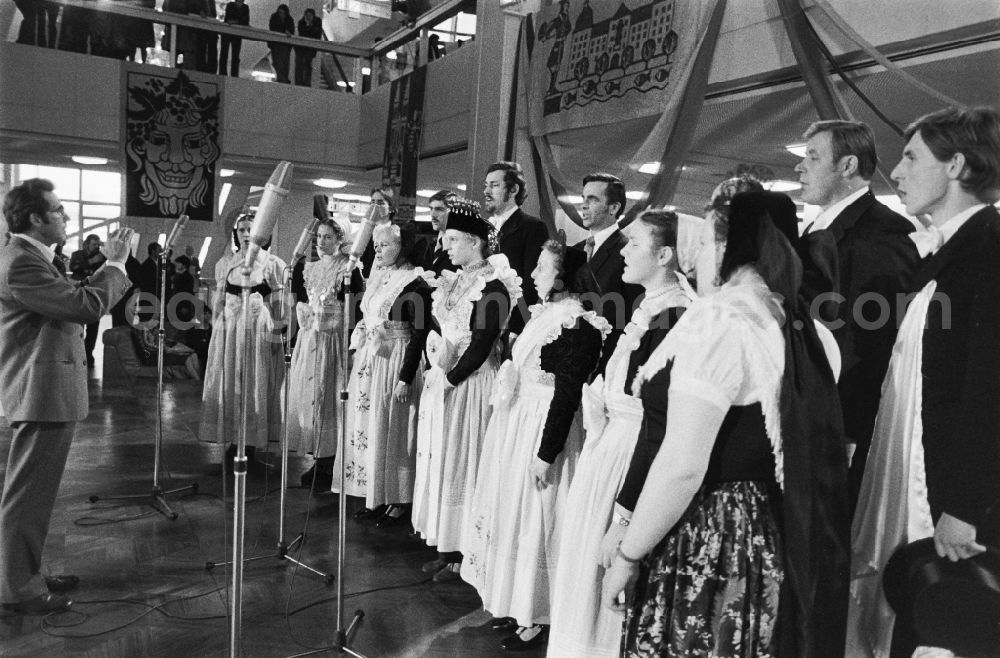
x=282 y=554
x=155 y=499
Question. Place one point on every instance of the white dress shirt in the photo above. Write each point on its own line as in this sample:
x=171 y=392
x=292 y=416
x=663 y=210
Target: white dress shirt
x=825 y=218
x=499 y=220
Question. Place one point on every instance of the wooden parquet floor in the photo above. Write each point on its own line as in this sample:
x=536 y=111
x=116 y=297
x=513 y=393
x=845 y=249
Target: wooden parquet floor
x=145 y=590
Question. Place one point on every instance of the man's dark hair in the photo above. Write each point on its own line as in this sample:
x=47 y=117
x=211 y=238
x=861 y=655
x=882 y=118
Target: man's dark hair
x=615 y=192
x=442 y=196
x=850 y=138
x=25 y=199
x=152 y=247
x=973 y=132
x=512 y=175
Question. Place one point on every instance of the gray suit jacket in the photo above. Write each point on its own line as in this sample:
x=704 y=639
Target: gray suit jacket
x=43 y=368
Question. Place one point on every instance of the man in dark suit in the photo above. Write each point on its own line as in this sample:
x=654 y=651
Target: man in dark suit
x=876 y=260
x=601 y=278
x=519 y=235
x=950 y=171
x=436 y=259
x=82 y=264
x=43 y=382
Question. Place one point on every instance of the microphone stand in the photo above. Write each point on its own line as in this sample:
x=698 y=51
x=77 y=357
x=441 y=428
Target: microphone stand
x=157 y=497
x=283 y=547
x=342 y=637
x=240 y=484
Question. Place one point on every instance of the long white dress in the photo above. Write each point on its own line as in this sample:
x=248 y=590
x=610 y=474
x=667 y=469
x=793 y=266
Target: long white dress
x=510 y=545
x=223 y=392
x=452 y=420
x=318 y=361
x=581 y=626
x=381 y=451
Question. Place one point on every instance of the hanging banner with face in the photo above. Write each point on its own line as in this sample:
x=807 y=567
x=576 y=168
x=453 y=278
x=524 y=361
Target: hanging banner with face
x=171 y=140
x=402 y=140
x=594 y=63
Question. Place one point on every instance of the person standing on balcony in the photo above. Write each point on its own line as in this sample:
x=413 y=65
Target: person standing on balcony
x=281 y=21
x=310 y=28
x=237 y=13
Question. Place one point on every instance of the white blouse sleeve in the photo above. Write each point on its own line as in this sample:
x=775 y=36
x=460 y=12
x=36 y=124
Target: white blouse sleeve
x=708 y=355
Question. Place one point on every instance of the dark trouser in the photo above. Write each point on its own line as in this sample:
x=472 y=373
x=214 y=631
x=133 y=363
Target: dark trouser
x=207 y=45
x=280 y=59
x=236 y=43
x=75 y=31
x=90 y=340
x=303 y=69
x=35 y=465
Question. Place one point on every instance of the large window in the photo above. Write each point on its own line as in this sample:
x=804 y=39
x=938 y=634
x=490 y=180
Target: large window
x=92 y=199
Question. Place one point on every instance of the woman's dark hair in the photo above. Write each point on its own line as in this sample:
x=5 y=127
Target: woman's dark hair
x=746 y=214
x=664 y=224
x=410 y=249
x=25 y=199
x=247 y=217
x=568 y=262
x=337 y=229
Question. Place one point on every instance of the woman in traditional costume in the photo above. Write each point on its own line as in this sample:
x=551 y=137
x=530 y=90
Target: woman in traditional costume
x=232 y=345
x=739 y=541
x=471 y=308
x=612 y=417
x=319 y=362
x=387 y=378
x=530 y=451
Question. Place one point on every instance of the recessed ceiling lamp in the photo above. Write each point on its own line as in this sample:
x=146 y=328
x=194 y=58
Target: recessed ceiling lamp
x=426 y=193
x=330 y=183
x=89 y=160
x=650 y=168
x=391 y=54
x=341 y=83
x=226 y=173
x=344 y=196
x=461 y=186
x=782 y=186
x=365 y=70
x=635 y=195
x=796 y=149
x=571 y=199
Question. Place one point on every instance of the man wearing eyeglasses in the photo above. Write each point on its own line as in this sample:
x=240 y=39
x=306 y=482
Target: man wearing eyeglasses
x=43 y=383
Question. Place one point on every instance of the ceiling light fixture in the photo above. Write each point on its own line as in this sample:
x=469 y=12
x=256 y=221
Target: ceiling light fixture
x=426 y=193
x=461 y=186
x=571 y=199
x=89 y=160
x=782 y=186
x=798 y=150
x=635 y=195
x=650 y=168
x=344 y=196
x=226 y=173
x=330 y=183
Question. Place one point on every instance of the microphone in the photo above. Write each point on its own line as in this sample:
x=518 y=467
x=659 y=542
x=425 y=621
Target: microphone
x=175 y=233
x=363 y=236
x=275 y=192
x=303 y=245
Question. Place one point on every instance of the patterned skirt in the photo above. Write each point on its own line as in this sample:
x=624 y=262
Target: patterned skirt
x=711 y=587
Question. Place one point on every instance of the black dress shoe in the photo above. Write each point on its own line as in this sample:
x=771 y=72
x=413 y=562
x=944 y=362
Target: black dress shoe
x=515 y=643
x=504 y=624
x=365 y=514
x=61 y=584
x=42 y=604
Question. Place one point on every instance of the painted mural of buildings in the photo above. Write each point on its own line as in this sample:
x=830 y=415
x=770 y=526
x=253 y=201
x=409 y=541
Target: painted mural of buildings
x=629 y=49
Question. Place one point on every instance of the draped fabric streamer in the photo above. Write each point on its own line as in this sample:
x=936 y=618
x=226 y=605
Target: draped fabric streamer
x=171 y=139
x=403 y=132
x=592 y=64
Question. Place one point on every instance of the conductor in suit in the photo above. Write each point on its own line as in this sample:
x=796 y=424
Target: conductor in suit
x=876 y=259
x=519 y=235
x=436 y=259
x=43 y=382
x=600 y=278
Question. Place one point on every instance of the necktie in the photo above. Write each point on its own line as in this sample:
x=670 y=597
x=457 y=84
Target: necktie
x=928 y=241
x=589 y=247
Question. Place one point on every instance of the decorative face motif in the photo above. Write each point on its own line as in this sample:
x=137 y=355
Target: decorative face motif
x=174 y=145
